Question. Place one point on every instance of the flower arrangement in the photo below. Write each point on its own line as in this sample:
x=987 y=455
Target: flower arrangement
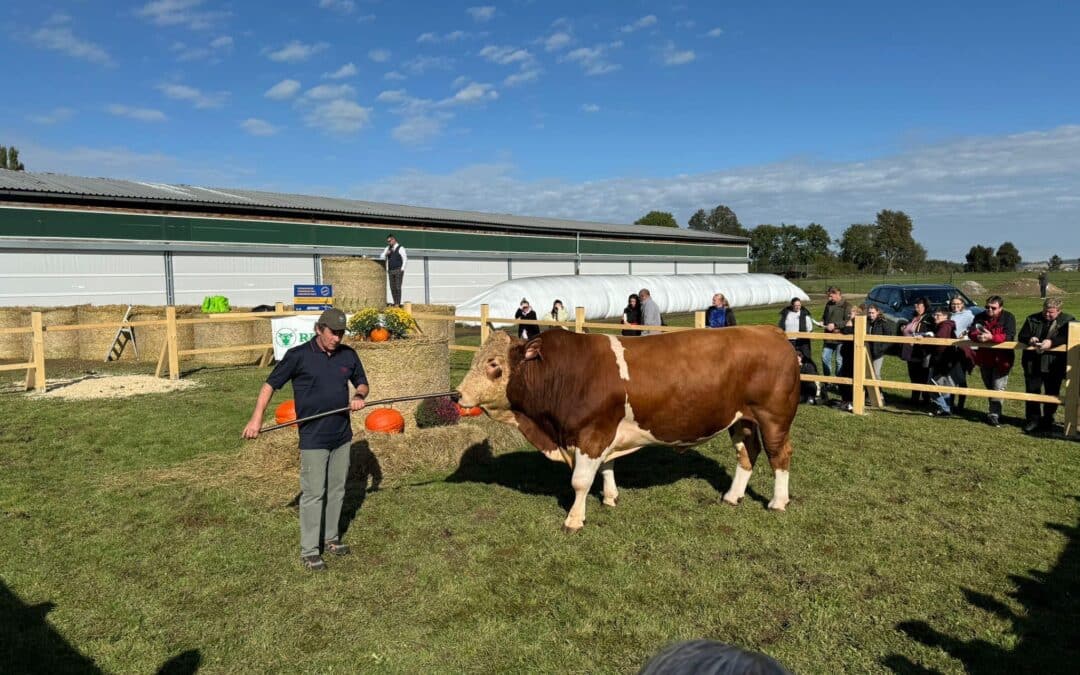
x=436 y=412
x=394 y=319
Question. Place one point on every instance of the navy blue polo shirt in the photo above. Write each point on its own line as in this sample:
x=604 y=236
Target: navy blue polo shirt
x=320 y=383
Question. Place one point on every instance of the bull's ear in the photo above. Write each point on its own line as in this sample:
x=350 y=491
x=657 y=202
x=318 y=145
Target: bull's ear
x=500 y=336
x=532 y=349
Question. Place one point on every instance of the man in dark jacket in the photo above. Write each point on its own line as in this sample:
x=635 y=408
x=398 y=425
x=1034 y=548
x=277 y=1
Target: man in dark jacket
x=994 y=326
x=1044 y=370
x=836 y=314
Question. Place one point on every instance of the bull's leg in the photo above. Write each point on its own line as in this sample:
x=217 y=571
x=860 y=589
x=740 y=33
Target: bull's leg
x=611 y=493
x=745 y=439
x=585 y=468
x=777 y=440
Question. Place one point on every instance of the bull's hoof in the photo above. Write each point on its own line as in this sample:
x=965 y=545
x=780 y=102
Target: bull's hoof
x=611 y=502
x=778 y=506
x=731 y=501
x=571 y=530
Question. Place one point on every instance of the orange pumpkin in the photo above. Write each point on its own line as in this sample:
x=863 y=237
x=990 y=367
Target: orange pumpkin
x=286 y=412
x=385 y=420
x=469 y=412
x=379 y=334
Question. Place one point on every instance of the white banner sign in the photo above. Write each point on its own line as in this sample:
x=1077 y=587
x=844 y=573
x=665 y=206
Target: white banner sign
x=290 y=331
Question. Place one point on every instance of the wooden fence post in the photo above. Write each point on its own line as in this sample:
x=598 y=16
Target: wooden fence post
x=699 y=319
x=408 y=307
x=170 y=339
x=858 y=368
x=579 y=319
x=36 y=376
x=1071 y=400
x=279 y=308
x=485 y=330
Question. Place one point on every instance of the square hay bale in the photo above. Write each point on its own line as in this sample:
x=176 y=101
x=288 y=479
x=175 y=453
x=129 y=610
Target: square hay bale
x=210 y=334
x=15 y=346
x=433 y=329
x=358 y=282
x=406 y=367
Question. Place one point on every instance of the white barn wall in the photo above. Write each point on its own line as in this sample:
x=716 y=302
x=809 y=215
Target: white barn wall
x=454 y=281
x=695 y=268
x=246 y=280
x=58 y=278
x=604 y=267
x=641 y=267
x=541 y=268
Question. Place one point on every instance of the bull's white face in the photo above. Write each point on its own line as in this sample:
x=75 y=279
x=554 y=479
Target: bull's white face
x=485 y=383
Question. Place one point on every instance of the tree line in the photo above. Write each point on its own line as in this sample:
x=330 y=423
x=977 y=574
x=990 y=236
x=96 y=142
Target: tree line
x=9 y=159
x=883 y=246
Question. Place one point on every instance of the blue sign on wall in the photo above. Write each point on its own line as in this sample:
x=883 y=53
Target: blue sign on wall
x=312 y=297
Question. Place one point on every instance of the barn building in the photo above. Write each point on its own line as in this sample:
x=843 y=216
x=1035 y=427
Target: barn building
x=68 y=240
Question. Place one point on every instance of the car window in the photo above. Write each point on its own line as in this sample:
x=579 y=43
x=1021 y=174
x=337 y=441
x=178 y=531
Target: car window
x=893 y=298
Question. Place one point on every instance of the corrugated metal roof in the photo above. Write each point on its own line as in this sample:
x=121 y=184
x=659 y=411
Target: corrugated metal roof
x=71 y=188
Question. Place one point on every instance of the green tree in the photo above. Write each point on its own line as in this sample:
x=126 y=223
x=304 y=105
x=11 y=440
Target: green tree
x=1055 y=262
x=764 y=246
x=980 y=259
x=895 y=245
x=858 y=246
x=816 y=242
x=9 y=159
x=698 y=220
x=1008 y=257
x=658 y=219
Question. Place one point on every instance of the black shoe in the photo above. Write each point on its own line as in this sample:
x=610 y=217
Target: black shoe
x=1046 y=424
x=940 y=413
x=335 y=547
x=993 y=420
x=1031 y=426
x=314 y=563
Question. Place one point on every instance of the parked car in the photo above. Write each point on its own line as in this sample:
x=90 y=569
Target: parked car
x=897 y=301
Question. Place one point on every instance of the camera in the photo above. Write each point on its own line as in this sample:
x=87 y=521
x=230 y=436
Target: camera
x=979 y=327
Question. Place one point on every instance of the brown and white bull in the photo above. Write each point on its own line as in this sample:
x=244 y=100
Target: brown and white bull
x=588 y=399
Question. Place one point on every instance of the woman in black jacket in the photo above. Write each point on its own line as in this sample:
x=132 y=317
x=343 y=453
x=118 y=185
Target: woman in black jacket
x=526 y=331
x=917 y=357
x=632 y=314
x=794 y=318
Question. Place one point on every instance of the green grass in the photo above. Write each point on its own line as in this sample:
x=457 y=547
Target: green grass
x=912 y=545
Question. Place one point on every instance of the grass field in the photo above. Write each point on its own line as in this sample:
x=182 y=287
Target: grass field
x=912 y=545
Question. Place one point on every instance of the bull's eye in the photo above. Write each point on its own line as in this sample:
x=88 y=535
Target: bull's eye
x=494 y=370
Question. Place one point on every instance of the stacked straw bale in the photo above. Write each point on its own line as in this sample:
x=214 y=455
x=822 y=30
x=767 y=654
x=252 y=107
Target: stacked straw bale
x=357 y=282
x=405 y=368
x=209 y=334
x=433 y=329
x=62 y=344
x=15 y=346
x=95 y=342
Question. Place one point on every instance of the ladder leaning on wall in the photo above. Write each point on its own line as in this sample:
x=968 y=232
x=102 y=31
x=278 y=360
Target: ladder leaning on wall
x=124 y=335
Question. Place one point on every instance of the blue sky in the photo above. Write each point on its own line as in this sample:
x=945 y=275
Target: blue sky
x=962 y=114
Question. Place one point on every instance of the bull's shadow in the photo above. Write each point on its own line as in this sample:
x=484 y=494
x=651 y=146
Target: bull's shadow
x=530 y=472
x=1048 y=628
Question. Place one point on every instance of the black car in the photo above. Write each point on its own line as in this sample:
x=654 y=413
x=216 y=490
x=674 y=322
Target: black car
x=897 y=301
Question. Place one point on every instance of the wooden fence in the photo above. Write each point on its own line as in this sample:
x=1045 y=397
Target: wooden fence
x=170 y=355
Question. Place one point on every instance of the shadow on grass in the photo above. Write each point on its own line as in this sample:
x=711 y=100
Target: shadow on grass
x=30 y=644
x=1048 y=630
x=532 y=473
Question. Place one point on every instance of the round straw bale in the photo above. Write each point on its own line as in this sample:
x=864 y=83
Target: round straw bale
x=209 y=334
x=357 y=282
x=15 y=346
x=405 y=367
x=433 y=328
x=62 y=344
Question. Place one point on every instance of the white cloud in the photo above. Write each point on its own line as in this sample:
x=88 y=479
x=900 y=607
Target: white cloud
x=182 y=92
x=338 y=117
x=473 y=92
x=394 y=76
x=61 y=39
x=434 y=38
x=973 y=190
x=593 y=60
x=688 y=23
x=283 y=90
x=258 y=127
x=342 y=6
x=212 y=51
x=221 y=42
x=181 y=12
x=54 y=116
x=643 y=22
x=505 y=56
x=418 y=130
x=419 y=65
x=481 y=14
x=676 y=57
x=522 y=77
x=590 y=108
x=379 y=55
x=139 y=114
x=557 y=41
x=326 y=92
x=347 y=70
x=427 y=38
x=295 y=52
x=715 y=32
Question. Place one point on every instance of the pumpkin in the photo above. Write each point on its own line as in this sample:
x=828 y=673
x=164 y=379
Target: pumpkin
x=385 y=421
x=469 y=412
x=286 y=412
x=379 y=334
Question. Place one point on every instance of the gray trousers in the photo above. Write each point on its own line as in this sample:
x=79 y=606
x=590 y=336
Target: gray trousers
x=396 y=277
x=322 y=476
x=996 y=384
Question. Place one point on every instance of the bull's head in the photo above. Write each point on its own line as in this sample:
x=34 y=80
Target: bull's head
x=485 y=383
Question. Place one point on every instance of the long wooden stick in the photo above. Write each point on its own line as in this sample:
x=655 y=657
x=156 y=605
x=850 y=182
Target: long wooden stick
x=452 y=394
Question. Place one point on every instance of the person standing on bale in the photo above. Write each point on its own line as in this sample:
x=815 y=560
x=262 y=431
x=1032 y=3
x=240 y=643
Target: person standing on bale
x=396 y=258
x=320 y=370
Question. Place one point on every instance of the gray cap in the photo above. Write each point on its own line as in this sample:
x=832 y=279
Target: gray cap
x=334 y=319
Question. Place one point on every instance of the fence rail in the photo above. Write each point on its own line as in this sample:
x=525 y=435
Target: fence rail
x=171 y=354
